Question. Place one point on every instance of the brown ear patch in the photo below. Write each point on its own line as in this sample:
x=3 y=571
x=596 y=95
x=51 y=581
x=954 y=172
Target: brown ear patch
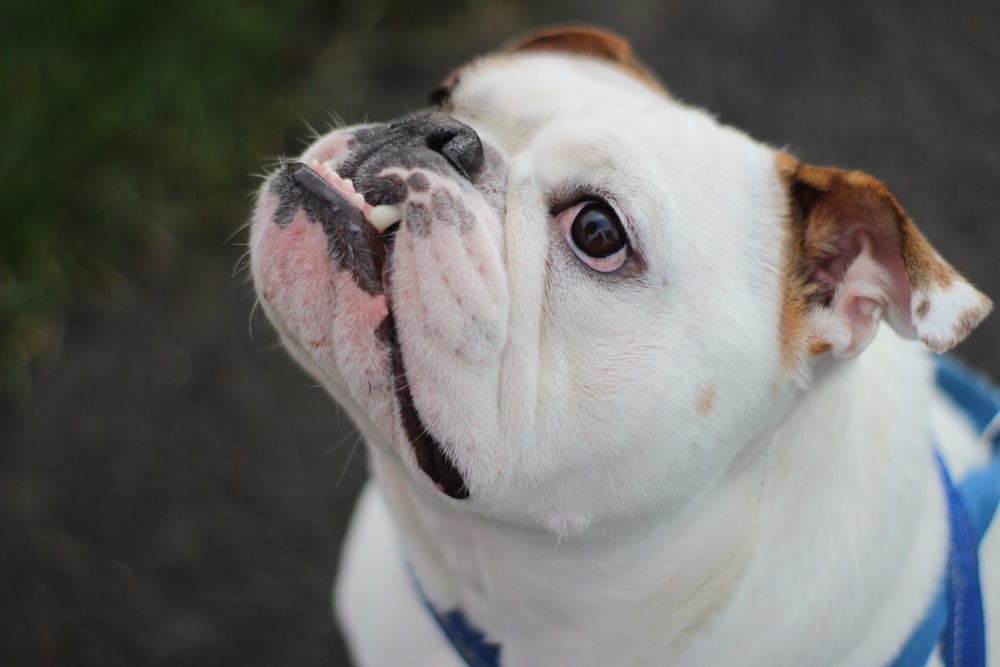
x=826 y=195
x=587 y=41
x=798 y=295
x=853 y=257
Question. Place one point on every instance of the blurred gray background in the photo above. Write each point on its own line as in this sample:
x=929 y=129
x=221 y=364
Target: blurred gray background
x=173 y=491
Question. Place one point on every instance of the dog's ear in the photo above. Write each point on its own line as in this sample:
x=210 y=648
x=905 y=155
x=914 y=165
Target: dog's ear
x=854 y=258
x=587 y=41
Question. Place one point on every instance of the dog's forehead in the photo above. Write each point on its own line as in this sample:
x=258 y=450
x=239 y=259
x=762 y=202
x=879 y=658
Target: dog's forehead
x=508 y=94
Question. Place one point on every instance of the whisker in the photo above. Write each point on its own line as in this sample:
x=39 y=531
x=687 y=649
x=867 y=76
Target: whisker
x=253 y=317
x=242 y=264
x=559 y=538
x=313 y=134
x=242 y=228
x=336 y=122
x=350 y=457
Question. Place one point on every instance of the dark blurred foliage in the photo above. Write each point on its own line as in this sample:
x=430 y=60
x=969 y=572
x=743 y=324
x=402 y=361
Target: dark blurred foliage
x=129 y=131
x=126 y=129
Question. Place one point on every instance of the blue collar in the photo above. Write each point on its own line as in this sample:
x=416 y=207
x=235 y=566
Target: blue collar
x=955 y=619
x=467 y=640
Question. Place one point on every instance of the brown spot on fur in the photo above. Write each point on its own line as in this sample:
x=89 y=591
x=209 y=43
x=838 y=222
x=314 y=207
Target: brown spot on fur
x=587 y=41
x=706 y=400
x=818 y=347
x=923 y=309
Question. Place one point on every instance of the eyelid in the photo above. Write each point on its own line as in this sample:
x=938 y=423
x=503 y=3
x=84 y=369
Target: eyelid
x=560 y=203
x=564 y=201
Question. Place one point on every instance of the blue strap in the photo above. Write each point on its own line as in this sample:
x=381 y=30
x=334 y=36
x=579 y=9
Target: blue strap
x=468 y=642
x=955 y=619
x=980 y=400
x=963 y=643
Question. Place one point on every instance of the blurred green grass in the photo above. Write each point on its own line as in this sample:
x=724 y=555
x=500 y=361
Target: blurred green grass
x=120 y=134
x=131 y=132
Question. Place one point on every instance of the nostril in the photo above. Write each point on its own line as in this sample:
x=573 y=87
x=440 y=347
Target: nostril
x=456 y=142
x=439 y=137
x=460 y=145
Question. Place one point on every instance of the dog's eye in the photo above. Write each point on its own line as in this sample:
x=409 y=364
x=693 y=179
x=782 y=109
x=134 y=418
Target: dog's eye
x=594 y=232
x=597 y=232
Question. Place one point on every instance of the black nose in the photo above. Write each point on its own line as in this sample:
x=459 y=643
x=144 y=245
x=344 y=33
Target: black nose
x=456 y=141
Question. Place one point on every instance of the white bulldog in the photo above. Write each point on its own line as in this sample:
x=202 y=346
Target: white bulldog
x=621 y=376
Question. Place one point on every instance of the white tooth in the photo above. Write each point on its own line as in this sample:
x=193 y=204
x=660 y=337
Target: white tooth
x=349 y=183
x=385 y=216
x=359 y=199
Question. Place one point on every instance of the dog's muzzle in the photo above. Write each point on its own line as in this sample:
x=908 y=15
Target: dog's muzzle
x=346 y=198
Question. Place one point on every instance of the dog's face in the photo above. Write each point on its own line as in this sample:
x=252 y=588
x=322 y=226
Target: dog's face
x=566 y=299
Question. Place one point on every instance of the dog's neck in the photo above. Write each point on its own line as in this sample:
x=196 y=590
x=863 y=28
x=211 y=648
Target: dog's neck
x=714 y=584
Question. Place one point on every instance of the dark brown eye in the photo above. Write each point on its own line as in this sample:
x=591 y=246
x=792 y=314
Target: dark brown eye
x=597 y=232
x=596 y=235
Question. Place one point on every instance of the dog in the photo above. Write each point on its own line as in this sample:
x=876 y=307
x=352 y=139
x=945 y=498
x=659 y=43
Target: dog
x=624 y=383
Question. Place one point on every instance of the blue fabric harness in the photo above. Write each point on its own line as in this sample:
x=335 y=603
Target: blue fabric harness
x=955 y=619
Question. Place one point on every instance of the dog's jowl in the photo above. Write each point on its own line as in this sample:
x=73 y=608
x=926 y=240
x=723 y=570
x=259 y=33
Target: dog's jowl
x=637 y=389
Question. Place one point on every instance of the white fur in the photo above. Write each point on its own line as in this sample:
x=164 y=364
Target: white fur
x=613 y=518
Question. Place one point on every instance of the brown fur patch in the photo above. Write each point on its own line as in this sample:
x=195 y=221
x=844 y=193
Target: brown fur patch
x=795 y=291
x=923 y=309
x=706 y=400
x=846 y=194
x=820 y=201
x=818 y=347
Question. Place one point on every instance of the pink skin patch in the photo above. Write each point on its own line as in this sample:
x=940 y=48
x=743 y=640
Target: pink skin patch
x=321 y=306
x=331 y=149
x=449 y=295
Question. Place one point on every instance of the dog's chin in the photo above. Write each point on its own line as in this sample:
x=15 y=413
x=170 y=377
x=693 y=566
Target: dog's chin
x=330 y=199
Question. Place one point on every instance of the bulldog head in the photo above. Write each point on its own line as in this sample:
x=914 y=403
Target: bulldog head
x=561 y=297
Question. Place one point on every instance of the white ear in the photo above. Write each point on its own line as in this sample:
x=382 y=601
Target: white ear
x=856 y=258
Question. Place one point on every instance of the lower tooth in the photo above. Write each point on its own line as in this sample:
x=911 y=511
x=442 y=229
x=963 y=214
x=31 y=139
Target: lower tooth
x=385 y=216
